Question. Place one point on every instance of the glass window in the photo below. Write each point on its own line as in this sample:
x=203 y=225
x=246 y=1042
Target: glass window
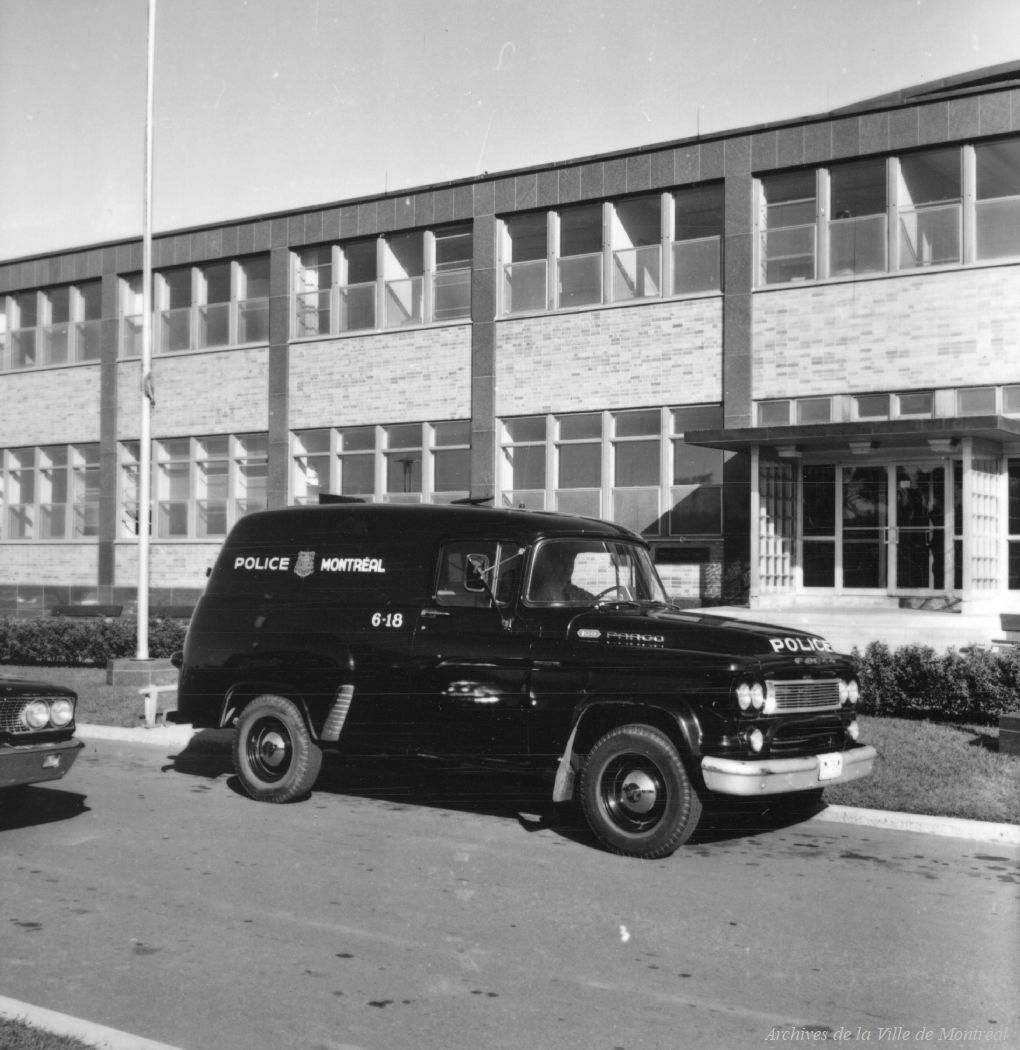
x=871 y=406
x=997 y=211
x=214 y=313
x=253 y=300
x=929 y=208
x=174 y=329
x=697 y=239
x=404 y=256
x=976 y=401
x=788 y=227
x=919 y=403
x=1013 y=470
x=1011 y=400
x=819 y=515
x=23 y=334
x=358 y=292
x=311 y=477
x=451 y=456
x=580 y=262
x=452 y=280
x=857 y=230
x=313 y=280
x=773 y=413
x=357 y=461
x=637 y=248
x=814 y=410
x=51 y=492
x=403 y=459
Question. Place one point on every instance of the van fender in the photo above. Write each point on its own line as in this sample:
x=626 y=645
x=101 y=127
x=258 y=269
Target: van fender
x=600 y=715
x=241 y=694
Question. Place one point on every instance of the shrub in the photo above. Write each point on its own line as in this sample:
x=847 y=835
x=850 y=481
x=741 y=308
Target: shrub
x=974 y=685
x=62 y=642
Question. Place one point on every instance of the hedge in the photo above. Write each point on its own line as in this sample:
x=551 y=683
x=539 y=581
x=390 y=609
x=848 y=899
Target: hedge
x=975 y=685
x=60 y=642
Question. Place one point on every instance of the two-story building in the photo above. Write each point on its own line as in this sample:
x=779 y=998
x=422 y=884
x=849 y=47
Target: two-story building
x=789 y=355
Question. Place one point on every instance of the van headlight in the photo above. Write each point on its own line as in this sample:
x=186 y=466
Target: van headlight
x=849 y=691
x=750 y=696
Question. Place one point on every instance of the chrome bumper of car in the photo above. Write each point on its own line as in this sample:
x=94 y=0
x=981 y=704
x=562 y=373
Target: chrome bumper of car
x=777 y=776
x=35 y=763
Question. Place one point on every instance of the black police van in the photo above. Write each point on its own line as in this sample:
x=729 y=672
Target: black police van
x=535 y=641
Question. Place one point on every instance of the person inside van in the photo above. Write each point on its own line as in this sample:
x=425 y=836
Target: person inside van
x=551 y=578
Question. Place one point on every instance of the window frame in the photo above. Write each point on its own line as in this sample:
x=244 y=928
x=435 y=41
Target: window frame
x=74 y=339
x=74 y=474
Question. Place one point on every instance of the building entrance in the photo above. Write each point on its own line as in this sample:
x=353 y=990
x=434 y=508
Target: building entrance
x=893 y=527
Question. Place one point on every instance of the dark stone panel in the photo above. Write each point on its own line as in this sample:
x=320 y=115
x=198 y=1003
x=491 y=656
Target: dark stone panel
x=661 y=174
x=295 y=230
x=279 y=233
x=570 y=185
x=548 y=192
x=687 y=164
x=424 y=209
x=349 y=220
x=368 y=217
x=483 y=294
x=818 y=143
x=109 y=264
x=484 y=239
x=903 y=133
x=933 y=123
x=213 y=246
x=228 y=241
x=592 y=181
x=245 y=239
x=713 y=160
x=614 y=176
x=312 y=232
x=845 y=137
x=262 y=234
x=764 y=151
x=444 y=205
x=737 y=156
x=484 y=199
x=526 y=191
x=463 y=202
x=505 y=196
x=403 y=212
x=874 y=133
x=331 y=224
x=639 y=173
x=994 y=114
x=385 y=215
x=964 y=120
x=790 y=147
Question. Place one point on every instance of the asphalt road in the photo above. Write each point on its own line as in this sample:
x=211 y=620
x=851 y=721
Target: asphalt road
x=143 y=892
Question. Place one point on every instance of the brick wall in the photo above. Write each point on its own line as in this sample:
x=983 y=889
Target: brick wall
x=392 y=377
x=207 y=393
x=69 y=564
x=171 y=565
x=51 y=406
x=959 y=328
x=651 y=354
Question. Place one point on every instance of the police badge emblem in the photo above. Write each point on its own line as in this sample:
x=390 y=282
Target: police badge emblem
x=305 y=564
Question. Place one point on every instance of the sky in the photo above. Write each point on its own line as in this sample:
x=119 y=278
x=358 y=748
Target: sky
x=266 y=105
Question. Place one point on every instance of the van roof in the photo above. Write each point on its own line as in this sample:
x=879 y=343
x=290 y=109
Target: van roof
x=433 y=520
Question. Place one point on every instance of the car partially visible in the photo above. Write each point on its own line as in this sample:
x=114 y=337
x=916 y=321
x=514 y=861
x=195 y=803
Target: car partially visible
x=37 y=727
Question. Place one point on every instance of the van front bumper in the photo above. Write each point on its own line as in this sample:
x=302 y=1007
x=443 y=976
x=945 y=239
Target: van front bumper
x=777 y=776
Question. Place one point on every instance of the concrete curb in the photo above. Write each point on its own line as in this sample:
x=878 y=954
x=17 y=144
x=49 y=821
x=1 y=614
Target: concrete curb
x=182 y=736
x=100 y=1036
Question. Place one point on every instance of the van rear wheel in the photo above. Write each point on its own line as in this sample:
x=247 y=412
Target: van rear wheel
x=275 y=757
x=636 y=794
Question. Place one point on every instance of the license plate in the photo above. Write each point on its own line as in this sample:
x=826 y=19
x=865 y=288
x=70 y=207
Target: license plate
x=830 y=766
x=51 y=762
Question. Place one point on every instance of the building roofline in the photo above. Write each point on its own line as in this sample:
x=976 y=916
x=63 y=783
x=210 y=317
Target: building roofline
x=1001 y=77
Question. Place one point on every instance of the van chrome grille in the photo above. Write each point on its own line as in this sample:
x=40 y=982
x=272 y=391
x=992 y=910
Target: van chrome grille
x=806 y=695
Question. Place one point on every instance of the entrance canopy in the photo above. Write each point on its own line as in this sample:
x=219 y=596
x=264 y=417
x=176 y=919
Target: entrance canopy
x=876 y=435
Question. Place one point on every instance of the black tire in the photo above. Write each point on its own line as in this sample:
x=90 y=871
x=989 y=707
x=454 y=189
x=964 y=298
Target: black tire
x=636 y=794
x=275 y=757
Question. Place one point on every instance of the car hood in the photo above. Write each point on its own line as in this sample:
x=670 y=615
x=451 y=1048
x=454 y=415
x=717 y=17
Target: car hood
x=667 y=629
x=10 y=686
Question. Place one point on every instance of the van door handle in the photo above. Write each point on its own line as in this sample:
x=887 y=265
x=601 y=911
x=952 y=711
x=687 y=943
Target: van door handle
x=431 y=614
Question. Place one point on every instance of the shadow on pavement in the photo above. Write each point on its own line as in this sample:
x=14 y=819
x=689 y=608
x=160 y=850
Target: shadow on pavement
x=23 y=807
x=512 y=795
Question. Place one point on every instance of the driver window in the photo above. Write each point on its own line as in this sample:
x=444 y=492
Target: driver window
x=463 y=567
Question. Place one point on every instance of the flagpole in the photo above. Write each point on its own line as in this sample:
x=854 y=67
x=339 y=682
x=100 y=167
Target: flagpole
x=146 y=389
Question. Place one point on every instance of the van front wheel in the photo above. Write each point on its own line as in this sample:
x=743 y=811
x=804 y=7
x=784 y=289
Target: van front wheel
x=275 y=757
x=636 y=794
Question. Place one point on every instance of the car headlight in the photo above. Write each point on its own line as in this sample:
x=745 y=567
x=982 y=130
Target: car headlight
x=61 y=712
x=36 y=715
x=744 y=695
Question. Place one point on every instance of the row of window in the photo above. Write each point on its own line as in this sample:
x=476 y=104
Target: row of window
x=413 y=278
x=632 y=467
x=913 y=404
x=49 y=492
x=51 y=326
x=646 y=247
x=937 y=207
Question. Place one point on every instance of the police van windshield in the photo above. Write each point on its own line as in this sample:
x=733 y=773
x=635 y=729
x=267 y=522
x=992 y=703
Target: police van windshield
x=590 y=571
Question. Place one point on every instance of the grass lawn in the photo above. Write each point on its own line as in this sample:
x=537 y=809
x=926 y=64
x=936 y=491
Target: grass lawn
x=923 y=767
x=17 y=1035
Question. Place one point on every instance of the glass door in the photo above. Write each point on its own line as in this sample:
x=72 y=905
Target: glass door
x=919 y=533
x=865 y=527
